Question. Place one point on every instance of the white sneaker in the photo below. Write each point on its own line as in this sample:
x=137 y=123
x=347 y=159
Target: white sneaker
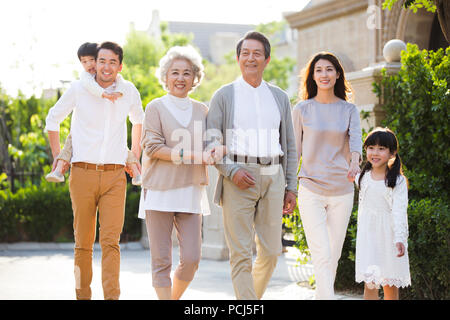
x=137 y=180
x=54 y=176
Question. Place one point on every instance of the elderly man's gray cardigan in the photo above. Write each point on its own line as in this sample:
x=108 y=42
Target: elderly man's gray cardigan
x=219 y=121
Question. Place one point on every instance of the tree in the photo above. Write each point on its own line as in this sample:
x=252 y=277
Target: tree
x=441 y=6
x=279 y=70
x=24 y=151
x=142 y=53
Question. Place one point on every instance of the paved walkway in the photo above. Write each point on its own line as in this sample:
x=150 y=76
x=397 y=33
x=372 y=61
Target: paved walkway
x=34 y=271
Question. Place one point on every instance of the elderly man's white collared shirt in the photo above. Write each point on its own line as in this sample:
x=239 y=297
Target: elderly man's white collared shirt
x=99 y=126
x=256 y=123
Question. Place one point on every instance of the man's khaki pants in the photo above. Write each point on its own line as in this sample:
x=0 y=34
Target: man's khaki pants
x=256 y=209
x=105 y=190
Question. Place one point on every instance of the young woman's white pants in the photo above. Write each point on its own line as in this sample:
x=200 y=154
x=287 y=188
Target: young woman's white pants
x=325 y=220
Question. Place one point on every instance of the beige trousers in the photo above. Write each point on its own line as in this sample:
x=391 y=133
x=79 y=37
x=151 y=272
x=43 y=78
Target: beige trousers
x=105 y=190
x=189 y=233
x=325 y=220
x=259 y=210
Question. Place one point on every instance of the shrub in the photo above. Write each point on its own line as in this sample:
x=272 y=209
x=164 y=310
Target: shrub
x=416 y=102
x=44 y=214
x=428 y=249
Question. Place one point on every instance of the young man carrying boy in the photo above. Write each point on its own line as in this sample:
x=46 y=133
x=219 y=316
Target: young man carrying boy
x=97 y=178
x=86 y=54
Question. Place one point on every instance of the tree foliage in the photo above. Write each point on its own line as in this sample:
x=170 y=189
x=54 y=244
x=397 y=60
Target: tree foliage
x=279 y=69
x=414 y=5
x=417 y=106
x=23 y=143
x=141 y=59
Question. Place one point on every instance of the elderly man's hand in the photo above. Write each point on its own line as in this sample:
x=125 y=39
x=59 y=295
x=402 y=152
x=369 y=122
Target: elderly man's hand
x=290 y=201
x=243 y=180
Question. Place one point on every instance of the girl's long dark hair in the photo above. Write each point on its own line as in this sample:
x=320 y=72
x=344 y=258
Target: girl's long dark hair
x=386 y=138
x=309 y=88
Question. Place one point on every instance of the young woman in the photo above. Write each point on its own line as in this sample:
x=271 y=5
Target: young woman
x=329 y=144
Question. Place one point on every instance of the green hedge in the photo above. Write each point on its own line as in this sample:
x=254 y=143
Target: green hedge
x=429 y=249
x=44 y=214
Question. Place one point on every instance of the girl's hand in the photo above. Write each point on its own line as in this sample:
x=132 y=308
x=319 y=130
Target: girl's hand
x=401 y=249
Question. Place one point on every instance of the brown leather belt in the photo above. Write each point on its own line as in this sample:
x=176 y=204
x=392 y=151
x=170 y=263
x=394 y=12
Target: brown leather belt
x=98 y=167
x=257 y=160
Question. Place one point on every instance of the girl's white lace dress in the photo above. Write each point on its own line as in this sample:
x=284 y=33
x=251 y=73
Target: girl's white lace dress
x=382 y=222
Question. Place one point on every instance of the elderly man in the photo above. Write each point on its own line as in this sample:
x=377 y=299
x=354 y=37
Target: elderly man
x=97 y=178
x=257 y=181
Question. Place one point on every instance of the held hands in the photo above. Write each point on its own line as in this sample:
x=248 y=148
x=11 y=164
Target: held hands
x=401 y=249
x=210 y=157
x=218 y=153
x=353 y=171
x=129 y=168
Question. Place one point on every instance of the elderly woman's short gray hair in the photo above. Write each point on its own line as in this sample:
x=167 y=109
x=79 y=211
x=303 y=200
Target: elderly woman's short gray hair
x=181 y=52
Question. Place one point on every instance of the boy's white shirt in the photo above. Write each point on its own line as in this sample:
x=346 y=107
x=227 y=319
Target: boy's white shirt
x=88 y=81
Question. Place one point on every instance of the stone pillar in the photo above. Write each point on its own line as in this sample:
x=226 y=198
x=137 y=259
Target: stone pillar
x=214 y=246
x=361 y=81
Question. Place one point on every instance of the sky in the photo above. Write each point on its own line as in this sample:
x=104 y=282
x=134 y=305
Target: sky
x=39 y=39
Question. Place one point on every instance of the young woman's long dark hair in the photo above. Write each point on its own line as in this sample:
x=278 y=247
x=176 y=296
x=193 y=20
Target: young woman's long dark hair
x=386 y=138
x=309 y=88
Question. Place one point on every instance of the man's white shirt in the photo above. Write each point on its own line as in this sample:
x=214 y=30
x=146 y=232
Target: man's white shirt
x=256 y=123
x=99 y=126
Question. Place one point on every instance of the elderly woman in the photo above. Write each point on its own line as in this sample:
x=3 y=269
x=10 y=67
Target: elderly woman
x=174 y=172
x=328 y=137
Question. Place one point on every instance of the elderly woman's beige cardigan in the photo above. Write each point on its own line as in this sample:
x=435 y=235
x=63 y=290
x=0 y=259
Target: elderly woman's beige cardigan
x=161 y=129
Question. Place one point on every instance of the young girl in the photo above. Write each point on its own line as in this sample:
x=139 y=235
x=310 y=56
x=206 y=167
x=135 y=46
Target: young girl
x=382 y=234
